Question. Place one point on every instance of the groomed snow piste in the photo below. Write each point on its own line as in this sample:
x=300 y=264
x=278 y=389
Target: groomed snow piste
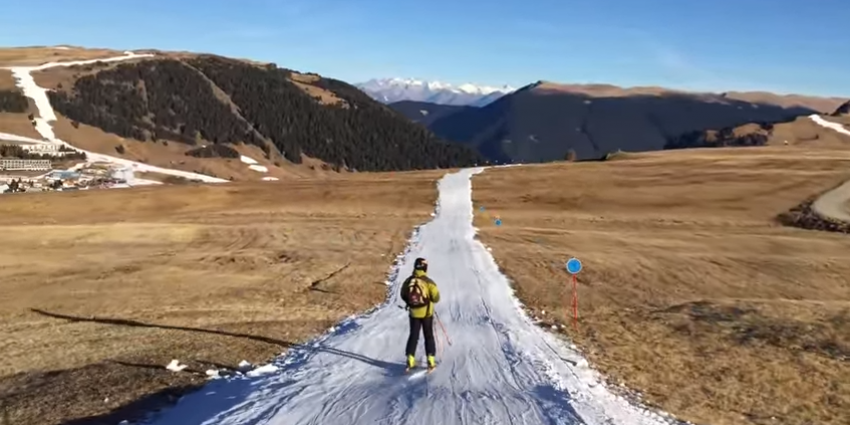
x=829 y=124
x=500 y=368
x=25 y=81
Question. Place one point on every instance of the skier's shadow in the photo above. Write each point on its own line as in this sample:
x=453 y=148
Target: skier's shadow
x=390 y=368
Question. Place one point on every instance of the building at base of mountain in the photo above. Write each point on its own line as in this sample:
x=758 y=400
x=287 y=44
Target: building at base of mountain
x=15 y=164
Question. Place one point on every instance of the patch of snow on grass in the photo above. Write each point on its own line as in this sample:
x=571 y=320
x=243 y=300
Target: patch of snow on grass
x=262 y=370
x=259 y=168
x=247 y=159
x=175 y=366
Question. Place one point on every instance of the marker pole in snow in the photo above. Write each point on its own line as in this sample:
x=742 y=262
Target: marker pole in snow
x=573 y=267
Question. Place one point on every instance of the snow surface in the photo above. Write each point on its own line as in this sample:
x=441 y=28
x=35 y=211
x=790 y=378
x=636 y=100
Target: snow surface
x=247 y=159
x=259 y=168
x=175 y=366
x=828 y=124
x=468 y=88
x=270 y=179
x=15 y=138
x=499 y=369
x=389 y=90
x=25 y=81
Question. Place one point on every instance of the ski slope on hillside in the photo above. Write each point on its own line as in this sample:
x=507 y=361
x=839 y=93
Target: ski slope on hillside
x=499 y=369
x=46 y=116
x=833 y=204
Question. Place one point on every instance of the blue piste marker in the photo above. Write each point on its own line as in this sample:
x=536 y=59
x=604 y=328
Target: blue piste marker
x=498 y=222
x=573 y=266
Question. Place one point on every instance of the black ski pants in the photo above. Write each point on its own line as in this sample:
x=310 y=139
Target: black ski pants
x=427 y=327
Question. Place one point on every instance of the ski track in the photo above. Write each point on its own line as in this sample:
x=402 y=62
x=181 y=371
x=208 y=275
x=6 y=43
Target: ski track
x=26 y=82
x=829 y=124
x=501 y=368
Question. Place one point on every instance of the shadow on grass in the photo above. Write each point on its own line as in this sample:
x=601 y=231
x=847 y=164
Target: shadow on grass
x=168 y=396
x=285 y=344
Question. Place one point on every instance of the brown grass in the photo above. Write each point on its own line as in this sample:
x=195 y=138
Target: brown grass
x=251 y=260
x=37 y=55
x=599 y=90
x=305 y=83
x=804 y=131
x=64 y=77
x=7 y=81
x=690 y=293
x=821 y=104
x=18 y=124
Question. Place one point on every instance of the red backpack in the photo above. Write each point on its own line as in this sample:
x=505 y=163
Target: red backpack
x=417 y=295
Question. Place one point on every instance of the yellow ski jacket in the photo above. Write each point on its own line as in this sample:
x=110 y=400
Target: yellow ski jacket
x=432 y=292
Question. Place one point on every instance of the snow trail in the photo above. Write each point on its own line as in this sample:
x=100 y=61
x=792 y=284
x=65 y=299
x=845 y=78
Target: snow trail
x=15 y=138
x=46 y=115
x=833 y=204
x=829 y=124
x=501 y=368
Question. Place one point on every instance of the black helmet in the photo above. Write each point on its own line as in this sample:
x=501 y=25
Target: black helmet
x=420 y=264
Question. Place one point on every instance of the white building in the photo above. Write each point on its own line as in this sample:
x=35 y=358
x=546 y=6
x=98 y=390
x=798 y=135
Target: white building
x=47 y=148
x=15 y=164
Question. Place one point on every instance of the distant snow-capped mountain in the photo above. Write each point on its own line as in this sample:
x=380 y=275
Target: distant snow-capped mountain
x=390 y=90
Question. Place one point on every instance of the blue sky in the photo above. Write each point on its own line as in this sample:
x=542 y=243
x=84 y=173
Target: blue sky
x=787 y=46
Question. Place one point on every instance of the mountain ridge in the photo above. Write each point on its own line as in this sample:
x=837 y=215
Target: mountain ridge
x=391 y=90
x=139 y=105
x=546 y=121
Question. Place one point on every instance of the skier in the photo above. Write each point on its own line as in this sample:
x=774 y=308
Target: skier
x=420 y=293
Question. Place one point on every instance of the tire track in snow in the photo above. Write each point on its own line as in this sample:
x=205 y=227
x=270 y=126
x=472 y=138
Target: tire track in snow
x=501 y=368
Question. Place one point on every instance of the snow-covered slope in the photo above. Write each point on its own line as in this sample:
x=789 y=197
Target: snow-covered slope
x=390 y=90
x=499 y=369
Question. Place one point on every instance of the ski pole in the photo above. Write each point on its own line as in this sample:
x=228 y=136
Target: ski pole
x=440 y=322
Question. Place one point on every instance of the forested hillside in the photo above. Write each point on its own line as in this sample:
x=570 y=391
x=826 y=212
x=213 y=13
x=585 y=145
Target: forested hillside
x=12 y=101
x=209 y=99
x=546 y=122
x=425 y=113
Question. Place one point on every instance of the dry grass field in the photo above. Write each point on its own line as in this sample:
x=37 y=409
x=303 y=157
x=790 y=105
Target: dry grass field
x=100 y=290
x=7 y=81
x=690 y=292
x=18 y=124
x=37 y=55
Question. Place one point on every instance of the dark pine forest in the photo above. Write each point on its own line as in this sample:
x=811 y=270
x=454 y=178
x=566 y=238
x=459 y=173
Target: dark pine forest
x=175 y=100
x=12 y=101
